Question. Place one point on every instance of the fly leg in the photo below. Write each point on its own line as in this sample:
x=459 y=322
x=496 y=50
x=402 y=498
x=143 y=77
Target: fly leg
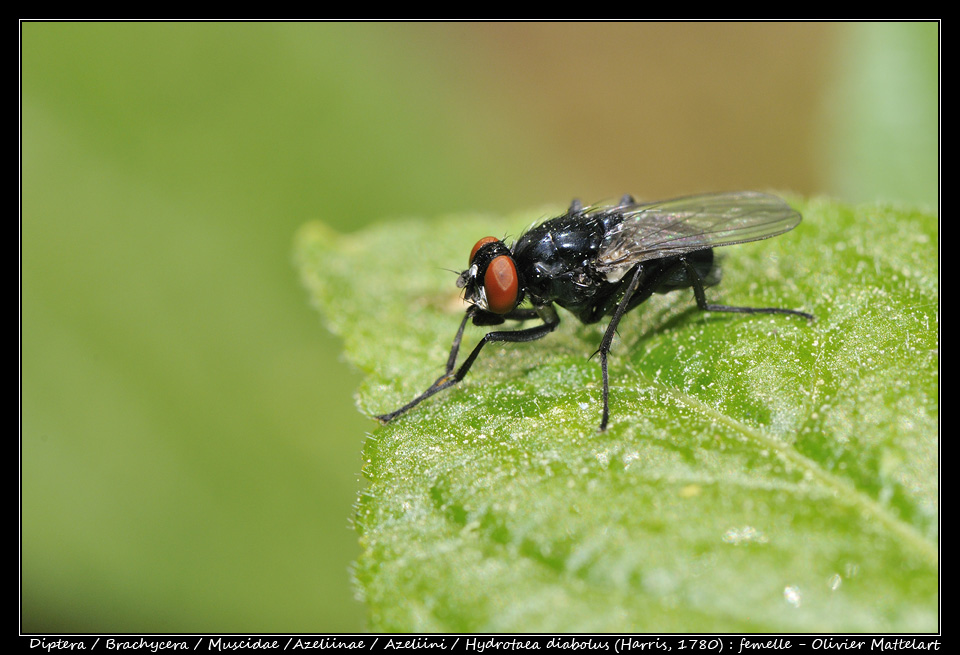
x=605 y=343
x=702 y=303
x=436 y=386
x=550 y=321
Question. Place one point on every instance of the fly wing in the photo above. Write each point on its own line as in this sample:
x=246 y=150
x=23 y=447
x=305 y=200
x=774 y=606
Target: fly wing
x=674 y=227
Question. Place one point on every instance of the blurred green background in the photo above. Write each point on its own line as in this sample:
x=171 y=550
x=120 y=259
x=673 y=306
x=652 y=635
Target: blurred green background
x=190 y=447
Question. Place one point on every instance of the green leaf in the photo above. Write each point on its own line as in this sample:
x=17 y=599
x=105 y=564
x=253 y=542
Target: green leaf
x=760 y=473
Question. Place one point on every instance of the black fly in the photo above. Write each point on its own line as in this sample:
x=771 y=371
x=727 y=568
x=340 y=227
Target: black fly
x=604 y=261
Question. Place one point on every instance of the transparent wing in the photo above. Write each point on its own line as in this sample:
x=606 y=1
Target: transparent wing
x=682 y=225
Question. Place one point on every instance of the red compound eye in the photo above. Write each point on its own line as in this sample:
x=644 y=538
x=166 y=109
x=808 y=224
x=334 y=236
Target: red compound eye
x=481 y=243
x=501 y=284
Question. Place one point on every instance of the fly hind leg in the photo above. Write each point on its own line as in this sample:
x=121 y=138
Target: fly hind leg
x=697 y=283
x=641 y=287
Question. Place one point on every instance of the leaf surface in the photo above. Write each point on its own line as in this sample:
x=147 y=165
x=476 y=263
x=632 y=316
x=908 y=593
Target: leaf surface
x=760 y=473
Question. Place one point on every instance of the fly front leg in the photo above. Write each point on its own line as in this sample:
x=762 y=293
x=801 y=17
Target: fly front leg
x=550 y=322
x=697 y=283
x=439 y=383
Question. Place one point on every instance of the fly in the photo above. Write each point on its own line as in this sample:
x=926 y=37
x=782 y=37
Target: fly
x=604 y=261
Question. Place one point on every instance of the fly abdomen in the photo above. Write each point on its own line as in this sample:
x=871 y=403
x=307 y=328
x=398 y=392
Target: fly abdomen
x=703 y=262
